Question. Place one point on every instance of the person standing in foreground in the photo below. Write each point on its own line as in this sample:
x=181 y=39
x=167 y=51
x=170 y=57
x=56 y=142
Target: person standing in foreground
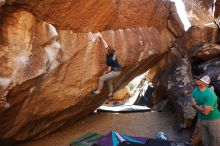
x=113 y=70
x=205 y=102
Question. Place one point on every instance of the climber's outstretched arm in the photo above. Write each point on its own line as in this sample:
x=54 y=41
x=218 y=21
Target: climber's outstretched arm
x=103 y=42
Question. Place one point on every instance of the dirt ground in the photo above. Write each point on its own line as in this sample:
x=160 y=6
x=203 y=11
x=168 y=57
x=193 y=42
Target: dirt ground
x=134 y=124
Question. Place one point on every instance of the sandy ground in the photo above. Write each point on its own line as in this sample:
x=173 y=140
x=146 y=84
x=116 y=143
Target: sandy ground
x=136 y=124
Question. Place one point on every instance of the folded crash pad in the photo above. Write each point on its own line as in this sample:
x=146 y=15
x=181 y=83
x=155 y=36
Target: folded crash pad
x=123 y=108
x=114 y=139
x=86 y=140
x=154 y=142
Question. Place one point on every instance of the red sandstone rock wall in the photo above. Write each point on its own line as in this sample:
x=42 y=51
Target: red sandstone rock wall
x=51 y=58
x=93 y=15
x=200 y=12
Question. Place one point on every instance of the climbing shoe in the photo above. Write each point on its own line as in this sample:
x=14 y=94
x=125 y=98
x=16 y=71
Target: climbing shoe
x=109 y=96
x=95 y=92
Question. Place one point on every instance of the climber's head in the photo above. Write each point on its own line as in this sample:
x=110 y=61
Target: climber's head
x=110 y=50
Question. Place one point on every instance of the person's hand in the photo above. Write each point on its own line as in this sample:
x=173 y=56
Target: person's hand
x=208 y=107
x=193 y=102
x=98 y=35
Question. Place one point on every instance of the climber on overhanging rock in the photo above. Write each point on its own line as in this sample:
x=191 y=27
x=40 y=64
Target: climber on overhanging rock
x=113 y=70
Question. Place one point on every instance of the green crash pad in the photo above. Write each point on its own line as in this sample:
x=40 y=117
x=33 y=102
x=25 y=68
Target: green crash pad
x=86 y=140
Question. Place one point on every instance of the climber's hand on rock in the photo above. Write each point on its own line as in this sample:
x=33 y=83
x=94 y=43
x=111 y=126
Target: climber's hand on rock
x=98 y=35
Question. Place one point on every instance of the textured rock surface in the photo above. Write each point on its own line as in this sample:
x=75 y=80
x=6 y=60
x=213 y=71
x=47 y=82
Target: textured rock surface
x=217 y=11
x=47 y=73
x=172 y=78
x=99 y=15
x=29 y=51
x=51 y=58
x=217 y=8
x=2 y=2
x=212 y=69
x=195 y=37
x=122 y=93
x=199 y=12
x=207 y=52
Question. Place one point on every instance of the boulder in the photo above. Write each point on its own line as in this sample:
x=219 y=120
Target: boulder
x=167 y=39
x=196 y=37
x=122 y=93
x=47 y=73
x=211 y=68
x=207 y=52
x=172 y=79
x=51 y=58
